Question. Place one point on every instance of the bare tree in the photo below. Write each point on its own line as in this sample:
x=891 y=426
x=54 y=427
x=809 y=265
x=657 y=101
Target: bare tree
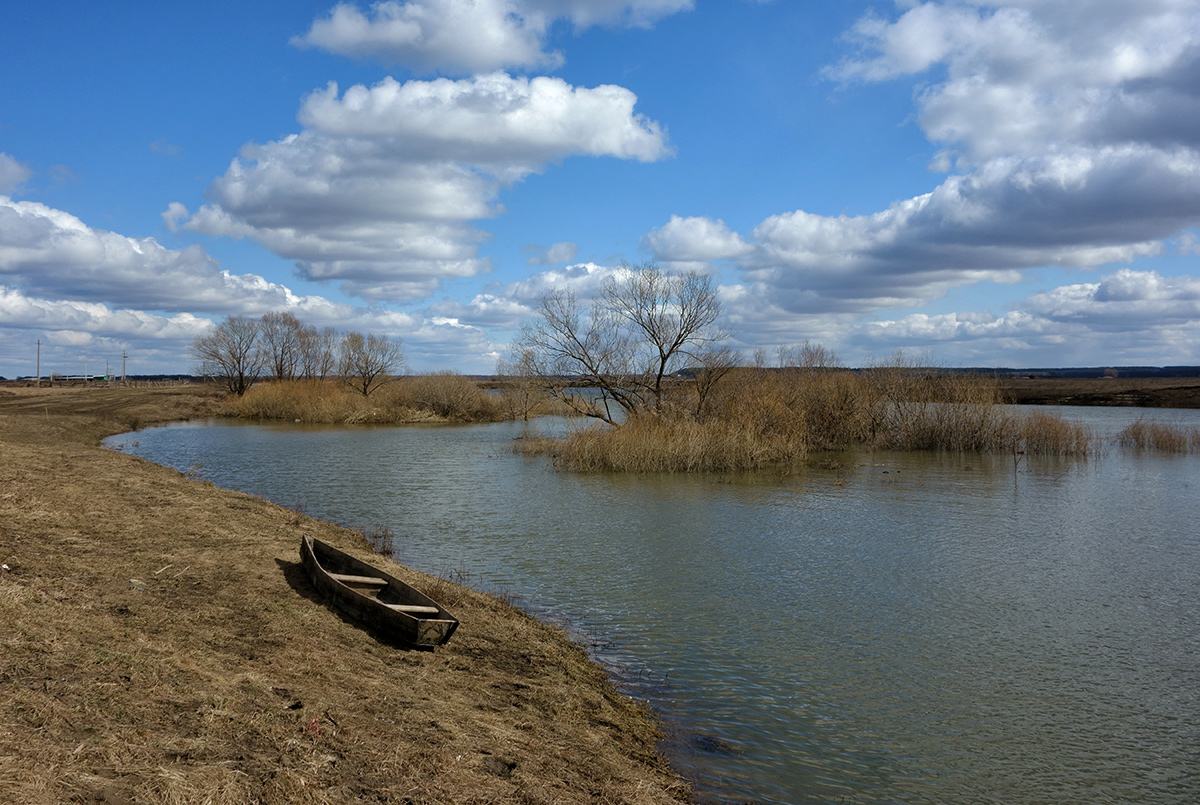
x=280 y=336
x=671 y=319
x=643 y=326
x=807 y=356
x=520 y=395
x=367 y=362
x=711 y=367
x=318 y=352
x=230 y=353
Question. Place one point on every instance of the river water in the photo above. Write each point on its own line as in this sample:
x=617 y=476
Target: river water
x=909 y=628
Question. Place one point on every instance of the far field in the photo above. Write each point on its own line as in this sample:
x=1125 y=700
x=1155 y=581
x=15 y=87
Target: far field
x=1149 y=392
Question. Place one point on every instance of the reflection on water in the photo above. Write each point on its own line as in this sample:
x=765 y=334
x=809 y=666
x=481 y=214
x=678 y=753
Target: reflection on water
x=895 y=628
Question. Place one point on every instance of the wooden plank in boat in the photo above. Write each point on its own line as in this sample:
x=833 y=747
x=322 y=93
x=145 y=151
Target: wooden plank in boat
x=411 y=609
x=361 y=581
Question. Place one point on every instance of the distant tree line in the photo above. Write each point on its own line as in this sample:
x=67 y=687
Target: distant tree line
x=239 y=351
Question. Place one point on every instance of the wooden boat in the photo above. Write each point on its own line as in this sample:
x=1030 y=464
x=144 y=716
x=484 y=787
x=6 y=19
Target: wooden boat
x=380 y=601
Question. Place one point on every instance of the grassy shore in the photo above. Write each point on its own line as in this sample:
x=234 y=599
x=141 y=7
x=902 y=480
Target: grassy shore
x=161 y=644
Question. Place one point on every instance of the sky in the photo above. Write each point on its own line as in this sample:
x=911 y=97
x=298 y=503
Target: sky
x=1003 y=184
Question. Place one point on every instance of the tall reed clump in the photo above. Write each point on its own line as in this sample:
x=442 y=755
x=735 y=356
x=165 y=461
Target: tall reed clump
x=306 y=400
x=916 y=409
x=1160 y=436
x=1047 y=433
x=451 y=396
x=649 y=443
x=805 y=408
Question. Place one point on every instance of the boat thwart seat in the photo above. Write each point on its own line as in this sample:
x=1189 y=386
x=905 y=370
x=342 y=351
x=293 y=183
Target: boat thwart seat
x=412 y=609
x=359 y=581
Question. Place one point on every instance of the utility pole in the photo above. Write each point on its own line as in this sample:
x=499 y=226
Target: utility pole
x=122 y=367
x=38 y=382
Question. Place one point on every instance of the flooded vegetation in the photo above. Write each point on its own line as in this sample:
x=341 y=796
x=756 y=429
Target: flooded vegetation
x=1166 y=437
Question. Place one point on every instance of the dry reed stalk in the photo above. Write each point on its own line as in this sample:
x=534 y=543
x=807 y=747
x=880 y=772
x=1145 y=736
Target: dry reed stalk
x=656 y=444
x=453 y=397
x=1160 y=436
x=1048 y=433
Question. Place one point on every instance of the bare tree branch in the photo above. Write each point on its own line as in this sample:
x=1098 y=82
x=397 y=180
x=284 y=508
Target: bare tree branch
x=367 y=362
x=280 y=341
x=644 y=326
x=231 y=353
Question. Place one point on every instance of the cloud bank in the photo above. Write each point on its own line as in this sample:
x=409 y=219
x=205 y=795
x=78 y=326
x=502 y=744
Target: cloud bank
x=1067 y=133
x=83 y=285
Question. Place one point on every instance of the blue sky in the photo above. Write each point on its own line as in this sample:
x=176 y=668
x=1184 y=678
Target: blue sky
x=980 y=184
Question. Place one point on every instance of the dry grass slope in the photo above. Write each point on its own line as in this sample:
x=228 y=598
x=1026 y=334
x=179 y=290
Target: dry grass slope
x=161 y=644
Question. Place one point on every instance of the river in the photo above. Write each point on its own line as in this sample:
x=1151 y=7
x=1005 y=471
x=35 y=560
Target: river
x=886 y=627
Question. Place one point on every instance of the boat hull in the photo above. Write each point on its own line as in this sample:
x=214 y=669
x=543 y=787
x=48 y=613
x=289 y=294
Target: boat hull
x=376 y=599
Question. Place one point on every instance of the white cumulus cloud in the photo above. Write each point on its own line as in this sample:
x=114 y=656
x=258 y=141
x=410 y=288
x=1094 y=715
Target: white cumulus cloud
x=1017 y=77
x=469 y=36
x=379 y=190
x=45 y=252
x=1126 y=317
x=695 y=239
x=489 y=120
x=563 y=252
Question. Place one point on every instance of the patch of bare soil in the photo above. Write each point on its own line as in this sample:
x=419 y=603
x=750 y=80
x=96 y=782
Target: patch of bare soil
x=160 y=642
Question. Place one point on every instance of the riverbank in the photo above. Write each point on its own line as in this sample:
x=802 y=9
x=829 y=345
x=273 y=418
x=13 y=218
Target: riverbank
x=162 y=644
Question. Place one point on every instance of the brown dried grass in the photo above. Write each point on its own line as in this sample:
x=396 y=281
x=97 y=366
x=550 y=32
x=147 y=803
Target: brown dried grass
x=439 y=397
x=657 y=444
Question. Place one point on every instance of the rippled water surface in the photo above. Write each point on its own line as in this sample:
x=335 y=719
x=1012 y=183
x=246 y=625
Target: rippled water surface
x=889 y=628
